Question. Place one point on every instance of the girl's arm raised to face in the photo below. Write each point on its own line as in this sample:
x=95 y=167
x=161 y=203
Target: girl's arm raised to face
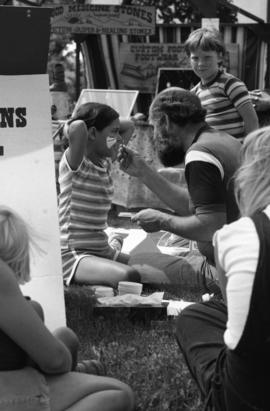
x=78 y=135
x=23 y=325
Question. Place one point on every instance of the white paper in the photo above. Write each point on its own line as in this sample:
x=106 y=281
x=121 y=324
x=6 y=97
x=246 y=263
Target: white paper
x=131 y=300
x=175 y=307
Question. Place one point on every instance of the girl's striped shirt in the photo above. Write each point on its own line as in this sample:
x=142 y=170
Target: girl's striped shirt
x=84 y=202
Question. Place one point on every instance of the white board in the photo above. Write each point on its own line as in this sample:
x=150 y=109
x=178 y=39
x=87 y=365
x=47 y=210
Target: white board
x=27 y=181
x=121 y=100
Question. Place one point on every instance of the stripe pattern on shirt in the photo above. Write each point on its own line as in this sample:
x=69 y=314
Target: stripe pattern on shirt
x=196 y=155
x=222 y=99
x=84 y=202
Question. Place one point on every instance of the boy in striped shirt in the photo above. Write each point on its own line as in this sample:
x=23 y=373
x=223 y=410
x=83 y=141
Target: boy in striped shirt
x=225 y=97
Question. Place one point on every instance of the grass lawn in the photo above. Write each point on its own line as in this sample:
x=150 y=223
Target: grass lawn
x=137 y=346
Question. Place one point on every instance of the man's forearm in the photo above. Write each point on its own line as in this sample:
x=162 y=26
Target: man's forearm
x=172 y=195
x=196 y=228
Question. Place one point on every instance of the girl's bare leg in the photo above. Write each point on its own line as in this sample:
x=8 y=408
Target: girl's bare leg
x=97 y=270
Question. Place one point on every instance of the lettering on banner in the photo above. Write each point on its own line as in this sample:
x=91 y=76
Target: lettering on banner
x=103 y=19
x=138 y=12
x=139 y=63
x=12 y=117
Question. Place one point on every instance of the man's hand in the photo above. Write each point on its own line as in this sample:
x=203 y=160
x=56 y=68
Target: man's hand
x=150 y=220
x=260 y=100
x=130 y=161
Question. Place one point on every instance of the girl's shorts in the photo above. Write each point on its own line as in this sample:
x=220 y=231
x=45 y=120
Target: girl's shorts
x=23 y=390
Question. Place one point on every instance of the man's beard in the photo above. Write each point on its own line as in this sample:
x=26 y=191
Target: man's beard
x=171 y=156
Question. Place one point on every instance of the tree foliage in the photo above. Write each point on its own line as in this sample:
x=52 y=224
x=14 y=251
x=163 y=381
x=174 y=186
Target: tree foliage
x=183 y=11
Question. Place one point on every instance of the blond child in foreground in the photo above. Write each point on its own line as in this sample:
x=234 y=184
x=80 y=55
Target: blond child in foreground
x=37 y=366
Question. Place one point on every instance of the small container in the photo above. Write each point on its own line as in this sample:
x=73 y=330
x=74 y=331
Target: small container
x=102 y=291
x=127 y=287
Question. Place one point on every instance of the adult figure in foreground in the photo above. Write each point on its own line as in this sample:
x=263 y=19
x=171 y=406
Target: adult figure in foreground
x=211 y=158
x=229 y=354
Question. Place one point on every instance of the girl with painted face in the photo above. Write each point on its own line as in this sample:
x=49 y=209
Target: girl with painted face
x=86 y=192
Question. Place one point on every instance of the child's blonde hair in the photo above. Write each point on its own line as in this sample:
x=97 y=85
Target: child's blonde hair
x=15 y=243
x=252 y=180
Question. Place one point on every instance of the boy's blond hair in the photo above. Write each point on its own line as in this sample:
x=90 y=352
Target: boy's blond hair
x=252 y=181
x=15 y=243
x=206 y=40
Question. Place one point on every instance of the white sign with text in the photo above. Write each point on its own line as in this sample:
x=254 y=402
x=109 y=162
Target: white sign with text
x=27 y=181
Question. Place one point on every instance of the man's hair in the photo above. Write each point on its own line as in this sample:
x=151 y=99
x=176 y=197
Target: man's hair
x=252 y=180
x=179 y=105
x=15 y=244
x=205 y=40
x=95 y=115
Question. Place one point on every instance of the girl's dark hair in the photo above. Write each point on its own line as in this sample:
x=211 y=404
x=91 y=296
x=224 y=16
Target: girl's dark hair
x=95 y=115
x=206 y=40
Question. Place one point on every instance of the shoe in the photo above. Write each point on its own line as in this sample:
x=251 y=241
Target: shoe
x=94 y=367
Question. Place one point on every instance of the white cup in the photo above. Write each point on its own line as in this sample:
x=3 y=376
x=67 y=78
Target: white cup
x=127 y=287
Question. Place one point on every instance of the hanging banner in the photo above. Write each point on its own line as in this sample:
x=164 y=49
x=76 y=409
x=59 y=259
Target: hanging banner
x=139 y=63
x=103 y=19
x=27 y=181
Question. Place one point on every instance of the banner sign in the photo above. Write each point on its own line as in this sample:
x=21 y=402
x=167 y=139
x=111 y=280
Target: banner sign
x=27 y=181
x=103 y=19
x=139 y=63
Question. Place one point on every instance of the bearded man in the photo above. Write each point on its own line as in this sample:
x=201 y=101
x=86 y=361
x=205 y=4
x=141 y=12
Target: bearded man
x=210 y=157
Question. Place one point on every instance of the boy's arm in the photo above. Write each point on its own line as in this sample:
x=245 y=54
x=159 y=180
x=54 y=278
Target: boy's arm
x=238 y=94
x=249 y=116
